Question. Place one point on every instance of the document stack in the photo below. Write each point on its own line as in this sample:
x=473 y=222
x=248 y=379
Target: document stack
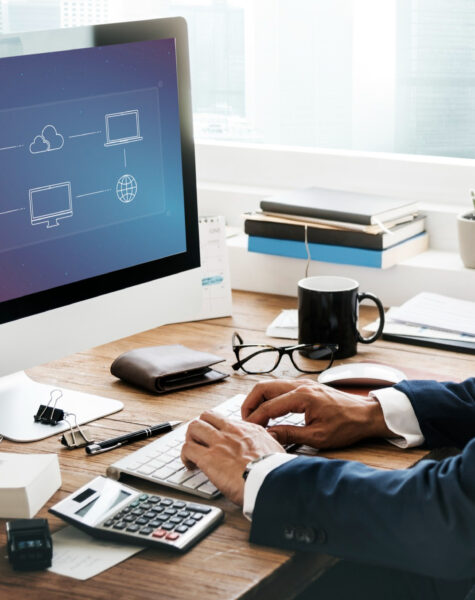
x=337 y=227
x=431 y=320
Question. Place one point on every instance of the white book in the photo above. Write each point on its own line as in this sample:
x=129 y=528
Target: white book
x=27 y=482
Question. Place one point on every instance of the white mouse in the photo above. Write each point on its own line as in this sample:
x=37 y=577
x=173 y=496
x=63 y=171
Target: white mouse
x=364 y=374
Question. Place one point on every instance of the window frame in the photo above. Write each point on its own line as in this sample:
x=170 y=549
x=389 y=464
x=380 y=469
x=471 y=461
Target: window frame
x=435 y=180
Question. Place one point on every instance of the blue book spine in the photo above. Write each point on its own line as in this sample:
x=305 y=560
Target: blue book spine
x=344 y=255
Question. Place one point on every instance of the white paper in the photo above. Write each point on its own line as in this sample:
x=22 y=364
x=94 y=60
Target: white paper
x=397 y=328
x=77 y=555
x=215 y=278
x=285 y=325
x=438 y=312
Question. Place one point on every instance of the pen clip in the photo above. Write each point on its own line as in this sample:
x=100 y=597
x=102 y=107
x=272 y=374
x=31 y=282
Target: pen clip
x=97 y=449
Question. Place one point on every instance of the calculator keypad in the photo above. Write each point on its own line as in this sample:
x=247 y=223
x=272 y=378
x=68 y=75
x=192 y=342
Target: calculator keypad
x=158 y=518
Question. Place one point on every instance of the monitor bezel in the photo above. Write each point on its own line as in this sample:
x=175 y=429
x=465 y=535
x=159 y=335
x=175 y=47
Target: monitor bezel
x=105 y=35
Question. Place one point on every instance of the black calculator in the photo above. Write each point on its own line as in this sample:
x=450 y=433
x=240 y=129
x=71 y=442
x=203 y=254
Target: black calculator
x=111 y=510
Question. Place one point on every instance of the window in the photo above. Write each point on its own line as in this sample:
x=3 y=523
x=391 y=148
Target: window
x=366 y=75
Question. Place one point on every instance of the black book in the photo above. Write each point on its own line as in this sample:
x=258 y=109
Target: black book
x=335 y=237
x=334 y=205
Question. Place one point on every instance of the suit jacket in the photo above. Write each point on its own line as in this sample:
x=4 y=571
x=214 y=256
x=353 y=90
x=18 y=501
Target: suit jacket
x=420 y=519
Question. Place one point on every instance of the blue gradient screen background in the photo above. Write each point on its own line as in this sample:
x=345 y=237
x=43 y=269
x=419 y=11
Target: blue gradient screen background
x=73 y=91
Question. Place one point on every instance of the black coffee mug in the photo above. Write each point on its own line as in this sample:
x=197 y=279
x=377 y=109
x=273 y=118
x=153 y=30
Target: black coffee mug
x=328 y=313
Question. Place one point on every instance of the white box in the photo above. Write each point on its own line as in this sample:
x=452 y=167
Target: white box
x=27 y=482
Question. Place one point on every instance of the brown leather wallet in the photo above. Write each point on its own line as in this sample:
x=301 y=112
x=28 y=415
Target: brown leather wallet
x=162 y=369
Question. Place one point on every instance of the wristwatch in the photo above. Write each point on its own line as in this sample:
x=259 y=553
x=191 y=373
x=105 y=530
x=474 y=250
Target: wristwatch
x=251 y=464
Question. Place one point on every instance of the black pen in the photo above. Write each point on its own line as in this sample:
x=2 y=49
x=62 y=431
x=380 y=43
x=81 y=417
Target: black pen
x=128 y=438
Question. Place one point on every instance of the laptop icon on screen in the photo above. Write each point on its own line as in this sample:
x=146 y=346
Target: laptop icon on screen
x=123 y=128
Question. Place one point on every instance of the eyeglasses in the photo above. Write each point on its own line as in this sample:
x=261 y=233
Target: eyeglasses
x=256 y=359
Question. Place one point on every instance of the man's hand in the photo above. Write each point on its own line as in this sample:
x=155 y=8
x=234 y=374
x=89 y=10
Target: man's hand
x=332 y=418
x=222 y=448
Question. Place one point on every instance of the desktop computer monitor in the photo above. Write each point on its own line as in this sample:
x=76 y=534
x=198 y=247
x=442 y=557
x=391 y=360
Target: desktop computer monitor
x=98 y=210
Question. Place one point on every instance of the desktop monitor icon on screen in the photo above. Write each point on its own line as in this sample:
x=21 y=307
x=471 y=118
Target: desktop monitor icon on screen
x=51 y=203
x=123 y=128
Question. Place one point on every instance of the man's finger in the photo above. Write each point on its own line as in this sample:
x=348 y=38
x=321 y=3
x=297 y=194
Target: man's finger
x=201 y=432
x=266 y=391
x=192 y=454
x=215 y=420
x=289 y=434
x=293 y=401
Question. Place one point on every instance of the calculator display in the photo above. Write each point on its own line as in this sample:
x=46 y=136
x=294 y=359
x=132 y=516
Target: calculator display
x=104 y=502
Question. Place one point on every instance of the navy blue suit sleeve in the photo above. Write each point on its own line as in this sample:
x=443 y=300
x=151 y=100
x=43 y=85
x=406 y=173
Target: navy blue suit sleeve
x=420 y=520
x=445 y=411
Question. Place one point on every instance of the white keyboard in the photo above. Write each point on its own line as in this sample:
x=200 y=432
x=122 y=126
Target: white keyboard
x=160 y=460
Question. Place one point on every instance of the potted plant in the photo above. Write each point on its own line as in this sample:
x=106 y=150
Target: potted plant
x=466 y=230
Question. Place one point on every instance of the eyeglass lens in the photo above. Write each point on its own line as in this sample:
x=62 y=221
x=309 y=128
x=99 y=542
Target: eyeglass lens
x=315 y=361
x=260 y=359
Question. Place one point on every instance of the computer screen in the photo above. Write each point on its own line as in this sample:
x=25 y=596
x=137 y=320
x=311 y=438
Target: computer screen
x=98 y=207
x=91 y=163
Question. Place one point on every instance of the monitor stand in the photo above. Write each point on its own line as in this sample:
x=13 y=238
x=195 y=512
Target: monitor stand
x=20 y=398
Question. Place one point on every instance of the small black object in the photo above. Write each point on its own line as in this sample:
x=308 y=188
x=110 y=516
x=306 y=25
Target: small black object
x=49 y=415
x=29 y=544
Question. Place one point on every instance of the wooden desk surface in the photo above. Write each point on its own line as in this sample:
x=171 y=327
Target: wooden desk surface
x=224 y=565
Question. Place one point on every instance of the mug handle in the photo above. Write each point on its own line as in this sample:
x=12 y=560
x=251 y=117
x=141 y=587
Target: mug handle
x=377 y=301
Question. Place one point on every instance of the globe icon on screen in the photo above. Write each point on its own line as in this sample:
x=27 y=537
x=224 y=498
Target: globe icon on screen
x=126 y=188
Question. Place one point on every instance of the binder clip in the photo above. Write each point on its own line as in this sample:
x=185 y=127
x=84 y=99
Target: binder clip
x=48 y=414
x=75 y=437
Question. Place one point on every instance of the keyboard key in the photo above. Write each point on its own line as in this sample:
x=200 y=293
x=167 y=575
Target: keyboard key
x=199 y=508
x=181 y=529
x=146 y=470
x=183 y=475
x=129 y=518
x=109 y=523
x=189 y=522
x=156 y=463
x=176 y=520
x=176 y=464
x=184 y=514
x=150 y=514
x=141 y=521
x=154 y=523
x=133 y=528
x=208 y=488
x=154 y=499
x=168 y=526
x=146 y=531
x=119 y=525
x=197 y=516
x=196 y=481
x=166 y=502
x=163 y=473
x=172 y=536
x=170 y=511
x=137 y=512
x=159 y=533
x=161 y=518
x=295 y=418
x=143 y=497
x=179 y=504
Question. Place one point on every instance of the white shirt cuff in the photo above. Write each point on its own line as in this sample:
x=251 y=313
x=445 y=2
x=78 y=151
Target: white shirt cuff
x=256 y=478
x=400 y=417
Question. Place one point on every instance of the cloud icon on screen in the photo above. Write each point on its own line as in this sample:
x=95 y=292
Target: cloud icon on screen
x=48 y=141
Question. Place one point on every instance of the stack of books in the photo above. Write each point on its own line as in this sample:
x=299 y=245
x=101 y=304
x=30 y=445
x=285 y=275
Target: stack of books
x=337 y=227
